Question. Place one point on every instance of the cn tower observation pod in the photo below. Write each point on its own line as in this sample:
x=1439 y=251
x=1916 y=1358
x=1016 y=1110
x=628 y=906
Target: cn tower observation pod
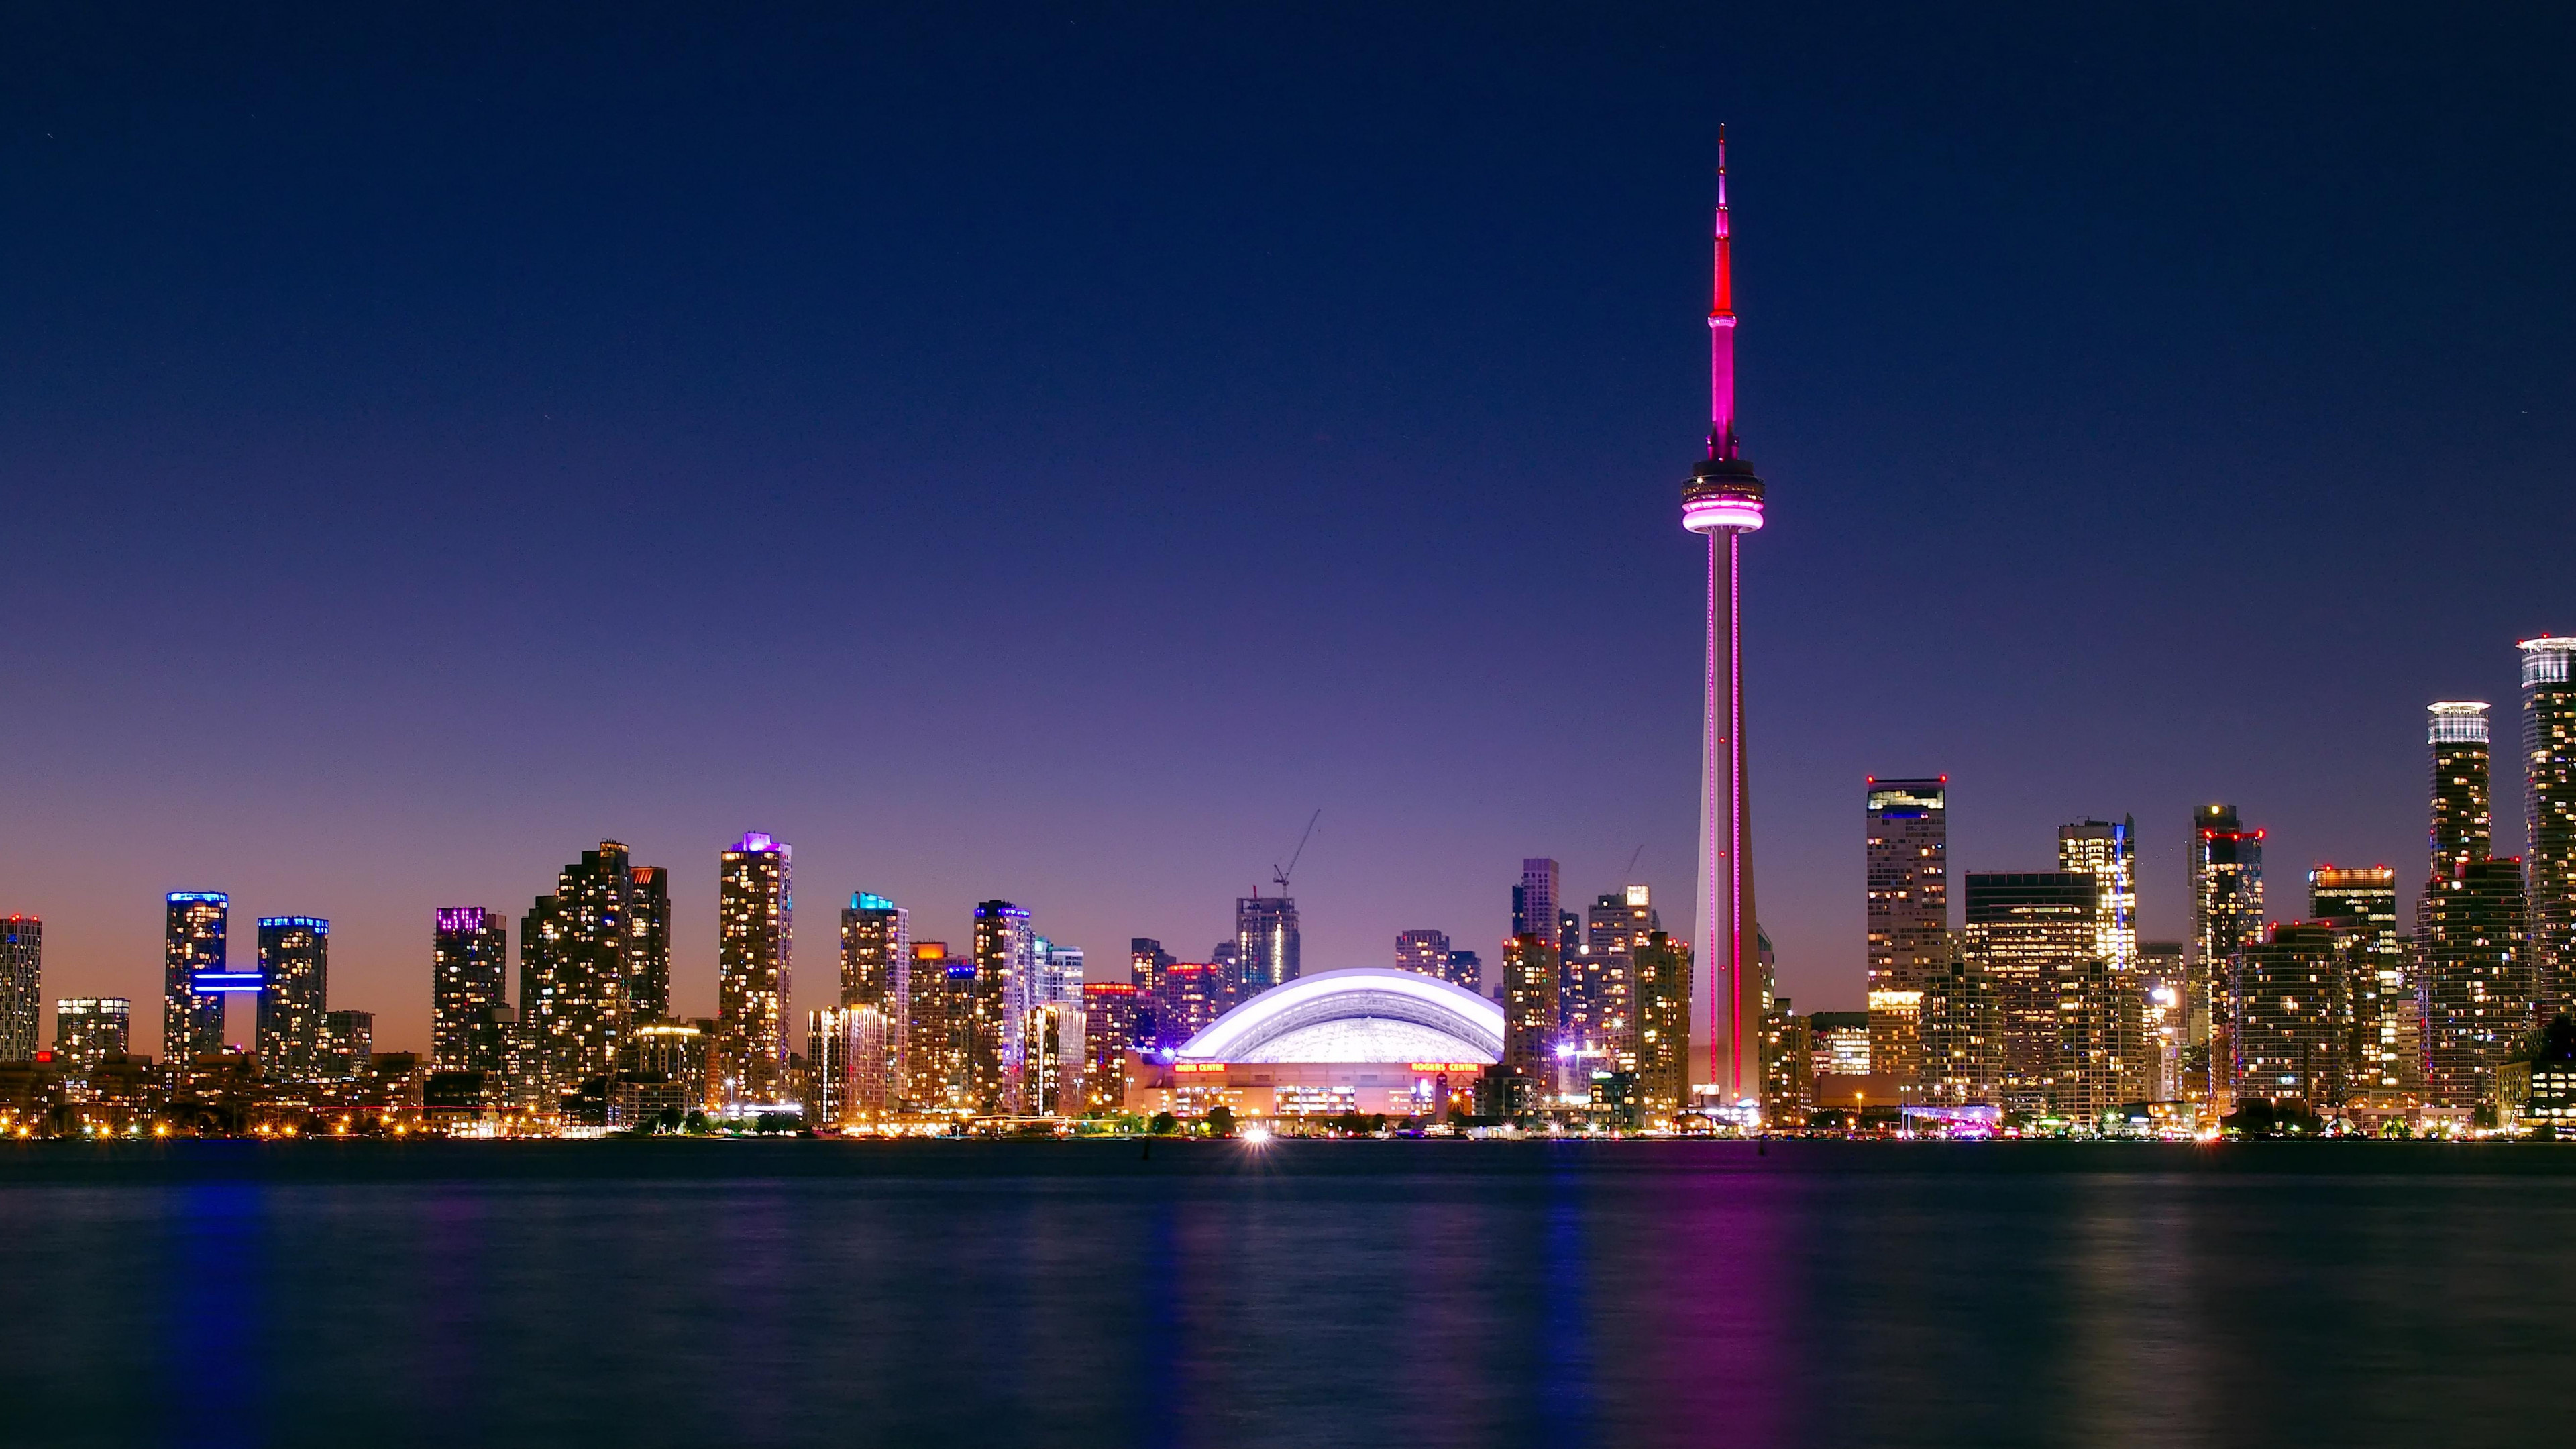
x=1365 y=1014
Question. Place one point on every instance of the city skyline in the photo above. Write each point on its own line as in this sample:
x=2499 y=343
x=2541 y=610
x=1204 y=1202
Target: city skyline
x=1445 y=468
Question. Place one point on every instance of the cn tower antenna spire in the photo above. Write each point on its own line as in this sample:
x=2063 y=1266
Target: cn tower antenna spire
x=1721 y=323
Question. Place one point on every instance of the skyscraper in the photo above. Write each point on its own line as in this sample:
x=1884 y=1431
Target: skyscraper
x=648 y=943
x=1465 y=968
x=2108 y=851
x=755 y=923
x=578 y=955
x=348 y=1043
x=192 y=1022
x=1005 y=987
x=1663 y=978
x=295 y=971
x=2359 y=907
x=1962 y=1026
x=1723 y=501
x=1110 y=1028
x=2226 y=914
x=2164 y=988
x=1906 y=855
x=876 y=970
x=2549 y=815
x=1265 y=942
x=1423 y=951
x=469 y=974
x=2289 y=1014
x=90 y=1029
x=938 y=1029
x=1530 y=1006
x=1534 y=899
x=1603 y=1017
x=2034 y=937
x=2463 y=826
x=22 y=1002
x=2477 y=978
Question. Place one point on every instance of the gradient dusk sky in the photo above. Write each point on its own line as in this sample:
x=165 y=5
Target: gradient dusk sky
x=1049 y=451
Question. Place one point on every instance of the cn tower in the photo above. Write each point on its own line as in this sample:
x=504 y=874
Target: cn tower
x=1723 y=500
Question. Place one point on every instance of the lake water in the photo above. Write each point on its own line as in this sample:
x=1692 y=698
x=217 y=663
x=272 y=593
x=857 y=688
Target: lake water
x=1402 y=1294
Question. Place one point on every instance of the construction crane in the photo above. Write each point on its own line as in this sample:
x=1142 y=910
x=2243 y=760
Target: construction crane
x=1279 y=874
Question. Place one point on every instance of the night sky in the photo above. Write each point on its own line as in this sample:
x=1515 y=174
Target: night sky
x=1048 y=452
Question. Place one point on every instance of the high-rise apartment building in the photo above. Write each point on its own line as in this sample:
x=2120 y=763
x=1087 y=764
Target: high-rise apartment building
x=1061 y=972
x=1423 y=951
x=876 y=970
x=1192 y=995
x=1265 y=943
x=469 y=975
x=1110 y=1027
x=1530 y=1008
x=90 y=1029
x=579 y=956
x=755 y=937
x=2226 y=914
x=648 y=943
x=1962 y=1028
x=1146 y=962
x=2358 y=906
x=22 y=1001
x=2549 y=816
x=2477 y=978
x=1006 y=987
x=939 y=1030
x=348 y=1043
x=1662 y=973
x=1906 y=861
x=2463 y=826
x=2107 y=850
x=1600 y=983
x=294 y=972
x=2290 y=1014
x=1788 y=1066
x=2164 y=995
x=192 y=1022
x=846 y=1066
x=2035 y=937
x=1466 y=969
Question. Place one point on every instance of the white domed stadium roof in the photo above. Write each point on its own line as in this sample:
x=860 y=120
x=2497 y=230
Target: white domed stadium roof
x=1366 y=1014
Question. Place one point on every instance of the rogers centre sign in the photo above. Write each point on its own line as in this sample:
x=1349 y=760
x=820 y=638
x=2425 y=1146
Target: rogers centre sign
x=1448 y=1066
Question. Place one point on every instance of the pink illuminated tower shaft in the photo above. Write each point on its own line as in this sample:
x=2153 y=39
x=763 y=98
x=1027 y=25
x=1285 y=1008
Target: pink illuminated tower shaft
x=1723 y=500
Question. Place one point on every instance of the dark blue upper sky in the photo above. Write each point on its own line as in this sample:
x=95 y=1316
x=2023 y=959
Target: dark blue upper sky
x=1047 y=451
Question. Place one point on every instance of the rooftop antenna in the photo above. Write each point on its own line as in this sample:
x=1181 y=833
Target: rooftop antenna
x=1279 y=875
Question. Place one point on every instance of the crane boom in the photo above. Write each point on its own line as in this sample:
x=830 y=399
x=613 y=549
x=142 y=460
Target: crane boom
x=1280 y=875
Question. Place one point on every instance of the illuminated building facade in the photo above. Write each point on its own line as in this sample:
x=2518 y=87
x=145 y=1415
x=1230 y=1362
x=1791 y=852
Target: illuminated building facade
x=90 y=1029
x=294 y=970
x=2463 y=827
x=2164 y=993
x=2035 y=937
x=1265 y=943
x=2226 y=864
x=348 y=1042
x=1465 y=968
x=2549 y=816
x=1962 y=1034
x=1839 y=1041
x=1530 y=1008
x=1423 y=951
x=1006 y=988
x=1723 y=501
x=755 y=924
x=1906 y=863
x=2477 y=978
x=1051 y=1066
x=648 y=943
x=2291 y=1013
x=1663 y=983
x=1600 y=977
x=670 y=1051
x=22 y=1001
x=192 y=1021
x=577 y=962
x=1788 y=1065
x=876 y=969
x=2108 y=851
x=469 y=973
x=1110 y=1029
x=847 y=1082
x=2359 y=906
x=1189 y=998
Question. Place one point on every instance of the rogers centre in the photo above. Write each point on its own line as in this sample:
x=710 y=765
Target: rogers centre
x=1366 y=1040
